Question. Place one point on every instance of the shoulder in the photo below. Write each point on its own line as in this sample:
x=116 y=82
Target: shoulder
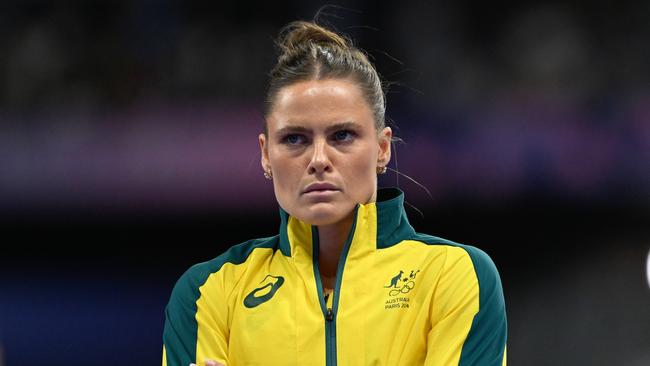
x=194 y=277
x=461 y=255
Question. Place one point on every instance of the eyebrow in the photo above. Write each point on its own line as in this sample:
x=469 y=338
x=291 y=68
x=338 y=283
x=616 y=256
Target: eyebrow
x=337 y=126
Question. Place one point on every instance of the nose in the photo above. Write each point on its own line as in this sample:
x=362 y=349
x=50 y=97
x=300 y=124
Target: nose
x=319 y=162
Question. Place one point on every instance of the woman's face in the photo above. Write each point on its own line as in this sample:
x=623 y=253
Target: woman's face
x=323 y=150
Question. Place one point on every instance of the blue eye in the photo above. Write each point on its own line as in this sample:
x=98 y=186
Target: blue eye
x=343 y=135
x=293 y=139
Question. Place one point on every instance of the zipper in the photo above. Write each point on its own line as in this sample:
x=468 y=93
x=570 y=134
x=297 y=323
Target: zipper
x=329 y=314
x=330 y=338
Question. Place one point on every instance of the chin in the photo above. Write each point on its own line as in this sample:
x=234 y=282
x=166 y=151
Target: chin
x=322 y=215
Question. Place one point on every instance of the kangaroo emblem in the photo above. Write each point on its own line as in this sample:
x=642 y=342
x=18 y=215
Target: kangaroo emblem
x=394 y=280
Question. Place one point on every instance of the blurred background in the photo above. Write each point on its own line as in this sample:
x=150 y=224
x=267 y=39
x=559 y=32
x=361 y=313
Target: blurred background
x=128 y=152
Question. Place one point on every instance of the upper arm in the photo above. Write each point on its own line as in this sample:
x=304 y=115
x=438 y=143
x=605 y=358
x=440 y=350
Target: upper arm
x=468 y=312
x=195 y=321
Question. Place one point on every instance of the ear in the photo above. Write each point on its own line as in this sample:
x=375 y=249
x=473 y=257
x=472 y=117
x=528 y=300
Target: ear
x=264 y=152
x=385 y=137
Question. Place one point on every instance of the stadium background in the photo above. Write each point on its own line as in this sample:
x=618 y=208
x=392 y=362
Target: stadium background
x=128 y=152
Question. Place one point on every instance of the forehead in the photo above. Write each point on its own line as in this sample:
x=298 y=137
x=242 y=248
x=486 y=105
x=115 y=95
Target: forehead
x=320 y=103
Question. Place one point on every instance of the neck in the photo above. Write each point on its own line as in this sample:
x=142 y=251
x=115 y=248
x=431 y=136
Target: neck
x=331 y=239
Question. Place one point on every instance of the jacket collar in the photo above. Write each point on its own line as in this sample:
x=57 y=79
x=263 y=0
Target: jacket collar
x=377 y=225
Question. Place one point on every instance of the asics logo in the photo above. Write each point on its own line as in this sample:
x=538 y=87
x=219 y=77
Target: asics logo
x=252 y=300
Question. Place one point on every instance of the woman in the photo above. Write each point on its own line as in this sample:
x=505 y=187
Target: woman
x=347 y=280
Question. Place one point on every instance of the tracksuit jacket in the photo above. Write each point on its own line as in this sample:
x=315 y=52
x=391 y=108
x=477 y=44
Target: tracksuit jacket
x=400 y=298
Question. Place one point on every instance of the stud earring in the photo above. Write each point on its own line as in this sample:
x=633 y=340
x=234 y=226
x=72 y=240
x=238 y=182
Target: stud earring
x=268 y=175
x=381 y=169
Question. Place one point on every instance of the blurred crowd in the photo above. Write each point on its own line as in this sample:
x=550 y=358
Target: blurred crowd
x=82 y=54
x=525 y=97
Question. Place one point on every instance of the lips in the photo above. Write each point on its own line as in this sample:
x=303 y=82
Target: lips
x=324 y=186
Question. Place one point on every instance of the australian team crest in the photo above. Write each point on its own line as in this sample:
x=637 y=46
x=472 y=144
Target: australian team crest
x=400 y=284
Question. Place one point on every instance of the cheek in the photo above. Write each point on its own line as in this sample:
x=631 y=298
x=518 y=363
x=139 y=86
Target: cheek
x=286 y=170
x=361 y=170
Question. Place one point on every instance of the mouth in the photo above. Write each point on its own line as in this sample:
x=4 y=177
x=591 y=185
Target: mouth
x=321 y=195
x=320 y=189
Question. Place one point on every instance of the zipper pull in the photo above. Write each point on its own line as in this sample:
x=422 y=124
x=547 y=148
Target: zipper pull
x=330 y=315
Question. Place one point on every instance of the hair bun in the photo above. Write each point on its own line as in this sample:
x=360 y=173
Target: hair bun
x=308 y=51
x=299 y=34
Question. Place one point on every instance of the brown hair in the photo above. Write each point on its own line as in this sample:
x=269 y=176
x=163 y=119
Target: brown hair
x=309 y=51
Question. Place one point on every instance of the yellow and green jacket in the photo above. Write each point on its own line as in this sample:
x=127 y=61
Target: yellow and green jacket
x=401 y=298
